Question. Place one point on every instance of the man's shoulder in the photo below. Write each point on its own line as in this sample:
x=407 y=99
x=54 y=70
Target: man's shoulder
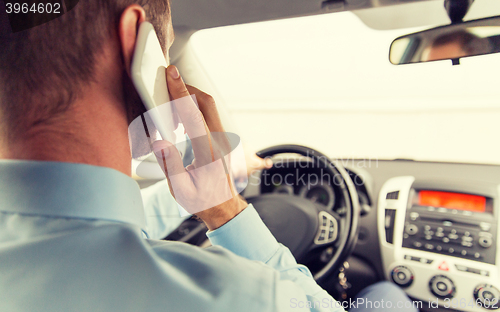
x=111 y=268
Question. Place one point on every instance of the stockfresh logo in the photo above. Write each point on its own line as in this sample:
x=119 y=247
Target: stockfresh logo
x=16 y=16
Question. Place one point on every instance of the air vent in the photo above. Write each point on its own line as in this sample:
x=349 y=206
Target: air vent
x=392 y=195
x=390 y=218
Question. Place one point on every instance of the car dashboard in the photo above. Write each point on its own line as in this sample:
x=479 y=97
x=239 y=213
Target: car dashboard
x=429 y=227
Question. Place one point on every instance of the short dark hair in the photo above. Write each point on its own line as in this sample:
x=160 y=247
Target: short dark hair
x=42 y=69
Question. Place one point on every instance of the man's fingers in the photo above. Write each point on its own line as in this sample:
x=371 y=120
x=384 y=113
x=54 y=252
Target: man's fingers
x=189 y=113
x=176 y=86
x=168 y=158
x=208 y=108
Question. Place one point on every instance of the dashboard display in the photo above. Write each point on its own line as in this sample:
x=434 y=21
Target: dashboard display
x=451 y=200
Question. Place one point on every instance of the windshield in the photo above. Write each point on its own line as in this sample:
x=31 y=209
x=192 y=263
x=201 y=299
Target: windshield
x=326 y=82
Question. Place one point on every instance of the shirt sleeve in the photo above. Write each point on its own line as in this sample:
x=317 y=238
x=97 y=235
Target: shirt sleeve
x=246 y=235
x=163 y=214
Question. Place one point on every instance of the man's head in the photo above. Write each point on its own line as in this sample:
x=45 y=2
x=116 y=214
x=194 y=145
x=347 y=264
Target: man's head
x=456 y=45
x=46 y=69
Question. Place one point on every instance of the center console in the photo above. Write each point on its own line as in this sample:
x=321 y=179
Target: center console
x=439 y=241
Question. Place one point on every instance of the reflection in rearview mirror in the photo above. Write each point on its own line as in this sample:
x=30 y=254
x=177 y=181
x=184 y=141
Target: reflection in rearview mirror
x=453 y=42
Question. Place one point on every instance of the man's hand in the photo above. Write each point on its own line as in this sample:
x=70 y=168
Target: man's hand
x=205 y=187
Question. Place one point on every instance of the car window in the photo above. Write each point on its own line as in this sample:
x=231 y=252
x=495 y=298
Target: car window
x=326 y=81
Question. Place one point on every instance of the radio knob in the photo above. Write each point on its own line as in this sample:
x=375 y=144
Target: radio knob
x=488 y=295
x=411 y=229
x=485 y=241
x=442 y=287
x=402 y=276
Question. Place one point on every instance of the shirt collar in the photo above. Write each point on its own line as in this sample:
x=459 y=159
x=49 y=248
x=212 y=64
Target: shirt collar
x=67 y=190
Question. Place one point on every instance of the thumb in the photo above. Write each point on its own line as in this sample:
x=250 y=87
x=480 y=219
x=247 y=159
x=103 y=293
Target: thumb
x=168 y=158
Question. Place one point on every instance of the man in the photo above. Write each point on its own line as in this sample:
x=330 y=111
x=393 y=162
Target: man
x=456 y=45
x=71 y=218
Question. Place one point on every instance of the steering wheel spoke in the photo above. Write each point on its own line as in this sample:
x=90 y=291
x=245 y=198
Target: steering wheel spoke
x=328 y=230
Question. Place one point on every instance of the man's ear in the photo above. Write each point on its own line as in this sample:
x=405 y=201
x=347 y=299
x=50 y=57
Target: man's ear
x=128 y=27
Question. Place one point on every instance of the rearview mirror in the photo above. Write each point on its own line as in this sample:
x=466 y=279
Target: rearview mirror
x=453 y=42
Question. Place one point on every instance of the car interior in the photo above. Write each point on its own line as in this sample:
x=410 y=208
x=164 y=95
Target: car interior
x=385 y=165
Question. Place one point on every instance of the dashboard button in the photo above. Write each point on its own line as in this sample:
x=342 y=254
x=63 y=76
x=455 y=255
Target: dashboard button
x=411 y=229
x=467 y=238
x=417 y=244
x=444 y=266
x=429 y=246
x=402 y=276
x=414 y=216
x=485 y=226
x=467 y=244
x=442 y=287
x=461 y=268
x=488 y=296
x=485 y=241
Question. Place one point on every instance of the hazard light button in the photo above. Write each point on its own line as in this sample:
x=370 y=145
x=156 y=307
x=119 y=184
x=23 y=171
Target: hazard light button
x=444 y=266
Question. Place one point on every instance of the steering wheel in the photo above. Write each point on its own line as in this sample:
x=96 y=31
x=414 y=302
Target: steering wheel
x=303 y=225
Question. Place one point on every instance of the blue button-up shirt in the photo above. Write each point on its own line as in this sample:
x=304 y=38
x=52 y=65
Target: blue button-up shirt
x=71 y=239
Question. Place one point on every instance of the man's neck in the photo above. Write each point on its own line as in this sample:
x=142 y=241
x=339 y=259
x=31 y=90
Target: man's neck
x=94 y=131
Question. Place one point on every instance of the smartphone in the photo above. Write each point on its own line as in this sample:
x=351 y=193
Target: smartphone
x=148 y=75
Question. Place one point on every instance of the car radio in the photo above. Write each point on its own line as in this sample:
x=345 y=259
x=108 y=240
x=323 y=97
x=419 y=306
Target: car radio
x=451 y=223
x=439 y=240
